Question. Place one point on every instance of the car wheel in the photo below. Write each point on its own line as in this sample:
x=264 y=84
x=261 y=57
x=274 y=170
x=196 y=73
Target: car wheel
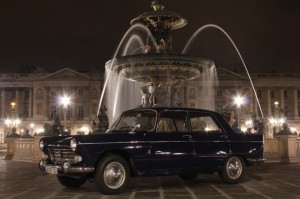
x=233 y=170
x=112 y=174
x=72 y=182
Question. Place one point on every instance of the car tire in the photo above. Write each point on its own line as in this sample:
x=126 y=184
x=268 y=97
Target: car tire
x=72 y=182
x=233 y=169
x=112 y=174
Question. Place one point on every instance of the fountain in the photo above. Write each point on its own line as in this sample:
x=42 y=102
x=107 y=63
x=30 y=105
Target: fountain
x=146 y=72
x=157 y=71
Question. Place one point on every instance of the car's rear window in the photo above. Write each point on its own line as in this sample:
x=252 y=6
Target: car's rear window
x=202 y=122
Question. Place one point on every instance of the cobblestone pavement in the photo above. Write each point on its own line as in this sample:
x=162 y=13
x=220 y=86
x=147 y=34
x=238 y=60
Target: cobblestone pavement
x=270 y=180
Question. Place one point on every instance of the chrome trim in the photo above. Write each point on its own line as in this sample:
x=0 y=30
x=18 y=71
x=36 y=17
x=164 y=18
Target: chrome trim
x=256 y=161
x=234 y=168
x=175 y=141
x=114 y=175
x=66 y=168
x=61 y=154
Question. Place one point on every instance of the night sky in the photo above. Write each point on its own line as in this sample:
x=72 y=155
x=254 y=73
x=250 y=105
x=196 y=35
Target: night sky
x=83 y=35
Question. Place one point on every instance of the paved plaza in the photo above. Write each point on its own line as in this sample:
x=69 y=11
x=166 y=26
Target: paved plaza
x=270 y=180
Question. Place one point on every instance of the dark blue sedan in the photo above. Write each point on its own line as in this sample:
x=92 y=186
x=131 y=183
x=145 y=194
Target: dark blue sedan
x=152 y=141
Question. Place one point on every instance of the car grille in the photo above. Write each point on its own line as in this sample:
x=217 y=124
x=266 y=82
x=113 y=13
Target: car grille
x=61 y=154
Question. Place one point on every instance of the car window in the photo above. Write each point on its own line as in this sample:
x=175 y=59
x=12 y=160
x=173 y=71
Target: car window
x=172 y=121
x=202 y=122
x=140 y=120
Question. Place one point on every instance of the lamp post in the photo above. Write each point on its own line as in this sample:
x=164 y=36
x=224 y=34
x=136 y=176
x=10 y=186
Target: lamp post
x=12 y=124
x=276 y=121
x=31 y=127
x=65 y=101
x=238 y=101
x=12 y=106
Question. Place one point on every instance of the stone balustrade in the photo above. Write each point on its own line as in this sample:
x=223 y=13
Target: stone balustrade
x=271 y=150
x=11 y=148
x=24 y=149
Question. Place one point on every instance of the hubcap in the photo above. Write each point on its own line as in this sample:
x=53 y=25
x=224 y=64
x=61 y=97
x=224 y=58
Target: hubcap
x=114 y=175
x=234 y=167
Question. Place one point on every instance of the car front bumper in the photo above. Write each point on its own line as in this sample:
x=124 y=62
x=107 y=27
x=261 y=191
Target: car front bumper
x=256 y=161
x=64 y=168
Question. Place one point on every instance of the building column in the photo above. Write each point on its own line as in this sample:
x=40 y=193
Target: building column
x=281 y=103
x=34 y=103
x=269 y=102
x=30 y=103
x=296 y=113
x=252 y=100
x=45 y=105
x=254 y=104
x=3 y=108
x=17 y=102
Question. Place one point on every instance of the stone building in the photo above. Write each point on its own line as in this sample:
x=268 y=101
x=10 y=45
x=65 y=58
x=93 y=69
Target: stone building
x=33 y=99
x=271 y=89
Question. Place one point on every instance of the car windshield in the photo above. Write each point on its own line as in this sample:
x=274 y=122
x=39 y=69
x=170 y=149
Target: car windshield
x=141 y=120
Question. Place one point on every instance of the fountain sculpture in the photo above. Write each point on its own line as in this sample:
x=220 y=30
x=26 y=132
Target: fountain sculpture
x=151 y=72
x=156 y=69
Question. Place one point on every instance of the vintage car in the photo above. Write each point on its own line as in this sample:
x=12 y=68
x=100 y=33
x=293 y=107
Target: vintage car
x=152 y=141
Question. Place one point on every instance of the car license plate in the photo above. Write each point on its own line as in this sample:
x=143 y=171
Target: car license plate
x=51 y=169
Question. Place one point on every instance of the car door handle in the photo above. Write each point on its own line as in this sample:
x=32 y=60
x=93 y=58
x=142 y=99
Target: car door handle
x=189 y=137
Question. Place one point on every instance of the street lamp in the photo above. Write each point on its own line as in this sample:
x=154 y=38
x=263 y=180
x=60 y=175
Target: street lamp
x=238 y=101
x=12 y=124
x=13 y=106
x=276 y=121
x=31 y=127
x=65 y=101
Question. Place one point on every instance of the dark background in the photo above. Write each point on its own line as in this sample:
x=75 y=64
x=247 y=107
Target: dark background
x=83 y=35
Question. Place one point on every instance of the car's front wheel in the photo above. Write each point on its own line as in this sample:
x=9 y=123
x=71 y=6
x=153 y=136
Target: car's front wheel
x=233 y=170
x=112 y=174
x=72 y=182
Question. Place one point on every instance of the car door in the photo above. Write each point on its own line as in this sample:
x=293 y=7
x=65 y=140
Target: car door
x=171 y=144
x=132 y=131
x=210 y=141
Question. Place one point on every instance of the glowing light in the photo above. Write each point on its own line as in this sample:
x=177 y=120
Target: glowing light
x=249 y=123
x=84 y=129
x=13 y=123
x=239 y=100
x=276 y=122
x=40 y=130
x=65 y=100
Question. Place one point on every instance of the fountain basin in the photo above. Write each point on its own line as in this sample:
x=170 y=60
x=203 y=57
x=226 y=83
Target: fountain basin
x=158 y=68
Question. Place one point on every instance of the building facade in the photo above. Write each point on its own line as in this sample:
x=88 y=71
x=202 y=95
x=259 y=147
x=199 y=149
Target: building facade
x=32 y=101
x=277 y=97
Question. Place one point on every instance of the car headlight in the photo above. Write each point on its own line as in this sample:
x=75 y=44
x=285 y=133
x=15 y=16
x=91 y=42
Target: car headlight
x=41 y=145
x=73 y=144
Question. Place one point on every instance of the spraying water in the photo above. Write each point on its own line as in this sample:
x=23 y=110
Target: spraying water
x=225 y=33
x=131 y=45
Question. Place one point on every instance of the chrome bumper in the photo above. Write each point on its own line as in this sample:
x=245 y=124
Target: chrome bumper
x=256 y=161
x=65 y=168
